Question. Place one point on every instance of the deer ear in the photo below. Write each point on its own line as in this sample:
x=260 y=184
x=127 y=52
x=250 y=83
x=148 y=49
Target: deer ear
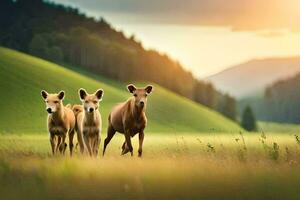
x=82 y=93
x=61 y=95
x=99 y=94
x=44 y=94
x=131 y=88
x=149 y=89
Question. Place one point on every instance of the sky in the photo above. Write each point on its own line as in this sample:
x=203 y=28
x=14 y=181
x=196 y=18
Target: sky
x=205 y=36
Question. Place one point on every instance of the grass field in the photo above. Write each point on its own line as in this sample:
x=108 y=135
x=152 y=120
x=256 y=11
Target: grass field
x=23 y=110
x=278 y=127
x=185 y=166
x=190 y=152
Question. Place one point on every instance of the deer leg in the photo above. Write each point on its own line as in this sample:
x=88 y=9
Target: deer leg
x=96 y=144
x=58 y=144
x=71 y=145
x=110 y=133
x=93 y=144
x=63 y=145
x=87 y=143
x=141 y=140
x=128 y=144
x=52 y=142
x=80 y=140
x=124 y=145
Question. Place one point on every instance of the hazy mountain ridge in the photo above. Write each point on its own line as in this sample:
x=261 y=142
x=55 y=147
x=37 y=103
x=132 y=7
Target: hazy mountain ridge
x=252 y=77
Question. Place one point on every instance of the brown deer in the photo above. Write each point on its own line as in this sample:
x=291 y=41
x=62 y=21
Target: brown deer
x=129 y=118
x=89 y=121
x=61 y=121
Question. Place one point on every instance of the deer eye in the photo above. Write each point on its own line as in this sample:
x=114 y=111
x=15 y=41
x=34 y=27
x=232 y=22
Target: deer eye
x=55 y=101
x=95 y=102
x=86 y=101
x=146 y=95
x=135 y=95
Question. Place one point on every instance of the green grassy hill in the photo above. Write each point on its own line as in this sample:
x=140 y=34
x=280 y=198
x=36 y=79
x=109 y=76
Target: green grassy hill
x=23 y=110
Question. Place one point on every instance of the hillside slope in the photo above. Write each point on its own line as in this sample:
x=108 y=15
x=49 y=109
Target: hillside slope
x=63 y=34
x=251 y=78
x=23 y=110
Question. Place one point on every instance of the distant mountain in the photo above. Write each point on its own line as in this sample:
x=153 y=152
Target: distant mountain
x=251 y=78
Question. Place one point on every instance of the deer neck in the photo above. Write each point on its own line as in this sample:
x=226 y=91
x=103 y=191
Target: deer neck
x=58 y=116
x=90 y=118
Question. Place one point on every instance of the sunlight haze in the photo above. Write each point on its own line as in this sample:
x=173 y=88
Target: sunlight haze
x=209 y=42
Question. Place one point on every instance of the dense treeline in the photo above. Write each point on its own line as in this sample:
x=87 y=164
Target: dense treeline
x=64 y=35
x=283 y=100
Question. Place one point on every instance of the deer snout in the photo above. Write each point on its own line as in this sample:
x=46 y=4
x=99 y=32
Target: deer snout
x=142 y=104
x=91 y=110
x=49 y=110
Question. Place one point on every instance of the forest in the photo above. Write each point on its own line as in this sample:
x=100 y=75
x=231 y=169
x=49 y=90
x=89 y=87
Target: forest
x=282 y=100
x=279 y=103
x=66 y=36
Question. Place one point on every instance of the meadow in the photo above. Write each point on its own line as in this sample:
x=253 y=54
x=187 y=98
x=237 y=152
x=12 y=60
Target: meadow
x=174 y=166
x=190 y=151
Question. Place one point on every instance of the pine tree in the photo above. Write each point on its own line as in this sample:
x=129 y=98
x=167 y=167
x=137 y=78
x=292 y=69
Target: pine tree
x=248 y=119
